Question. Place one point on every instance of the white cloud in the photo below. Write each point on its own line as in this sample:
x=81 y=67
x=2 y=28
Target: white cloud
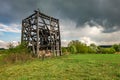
x=109 y=38
x=3 y=44
x=15 y=43
x=64 y=42
x=87 y=34
x=10 y=28
x=87 y=40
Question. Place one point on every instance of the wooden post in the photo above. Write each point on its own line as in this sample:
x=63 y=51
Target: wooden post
x=60 y=52
x=22 y=31
x=37 y=32
x=33 y=47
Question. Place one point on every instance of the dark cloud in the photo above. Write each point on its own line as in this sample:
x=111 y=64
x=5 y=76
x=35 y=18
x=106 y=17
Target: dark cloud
x=15 y=10
x=103 y=12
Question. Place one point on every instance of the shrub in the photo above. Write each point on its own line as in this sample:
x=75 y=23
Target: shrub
x=107 y=50
x=80 y=47
x=116 y=47
x=64 y=49
x=12 y=58
x=19 y=53
x=72 y=49
x=83 y=49
x=18 y=49
x=91 y=50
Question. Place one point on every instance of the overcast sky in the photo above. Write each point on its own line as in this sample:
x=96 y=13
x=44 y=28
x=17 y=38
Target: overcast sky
x=90 y=21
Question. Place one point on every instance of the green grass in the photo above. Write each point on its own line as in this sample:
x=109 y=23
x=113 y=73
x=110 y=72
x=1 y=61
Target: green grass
x=71 y=67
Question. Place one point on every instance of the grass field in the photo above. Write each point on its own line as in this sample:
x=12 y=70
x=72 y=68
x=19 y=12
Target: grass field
x=71 y=67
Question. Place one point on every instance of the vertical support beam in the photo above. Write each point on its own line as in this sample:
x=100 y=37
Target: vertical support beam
x=22 y=30
x=54 y=45
x=37 y=27
x=33 y=47
x=51 y=37
x=59 y=39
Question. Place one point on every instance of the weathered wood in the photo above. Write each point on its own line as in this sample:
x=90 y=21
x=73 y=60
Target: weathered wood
x=22 y=30
x=59 y=40
x=37 y=33
x=42 y=32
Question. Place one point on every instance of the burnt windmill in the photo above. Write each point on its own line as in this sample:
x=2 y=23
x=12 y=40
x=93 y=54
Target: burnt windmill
x=41 y=32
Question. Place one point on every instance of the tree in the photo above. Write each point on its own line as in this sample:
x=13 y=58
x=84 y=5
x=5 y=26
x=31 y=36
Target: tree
x=10 y=45
x=93 y=48
x=64 y=49
x=116 y=47
x=80 y=47
x=107 y=50
x=73 y=49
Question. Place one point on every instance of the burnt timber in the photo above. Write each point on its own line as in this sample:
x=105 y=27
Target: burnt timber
x=41 y=32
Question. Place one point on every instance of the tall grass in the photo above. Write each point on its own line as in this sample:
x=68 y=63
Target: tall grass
x=19 y=53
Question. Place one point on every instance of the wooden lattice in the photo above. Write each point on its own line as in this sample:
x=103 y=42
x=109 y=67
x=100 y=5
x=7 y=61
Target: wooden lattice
x=41 y=32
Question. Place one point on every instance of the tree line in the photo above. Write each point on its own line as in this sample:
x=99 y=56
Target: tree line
x=76 y=47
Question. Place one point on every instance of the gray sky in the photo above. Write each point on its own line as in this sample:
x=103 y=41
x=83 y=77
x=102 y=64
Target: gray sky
x=90 y=21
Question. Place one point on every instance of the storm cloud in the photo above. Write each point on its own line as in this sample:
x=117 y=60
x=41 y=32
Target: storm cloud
x=93 y=12
x=101 y=12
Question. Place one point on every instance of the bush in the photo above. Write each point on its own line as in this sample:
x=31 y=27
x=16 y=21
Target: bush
x=91 y=50
x=107 y=50
x=116 y=47
x=72 y=49
x=18 y=49
x=64 y=49
x=19 y=53
x=83 y=49
x=12 y=58
x=80 y=47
